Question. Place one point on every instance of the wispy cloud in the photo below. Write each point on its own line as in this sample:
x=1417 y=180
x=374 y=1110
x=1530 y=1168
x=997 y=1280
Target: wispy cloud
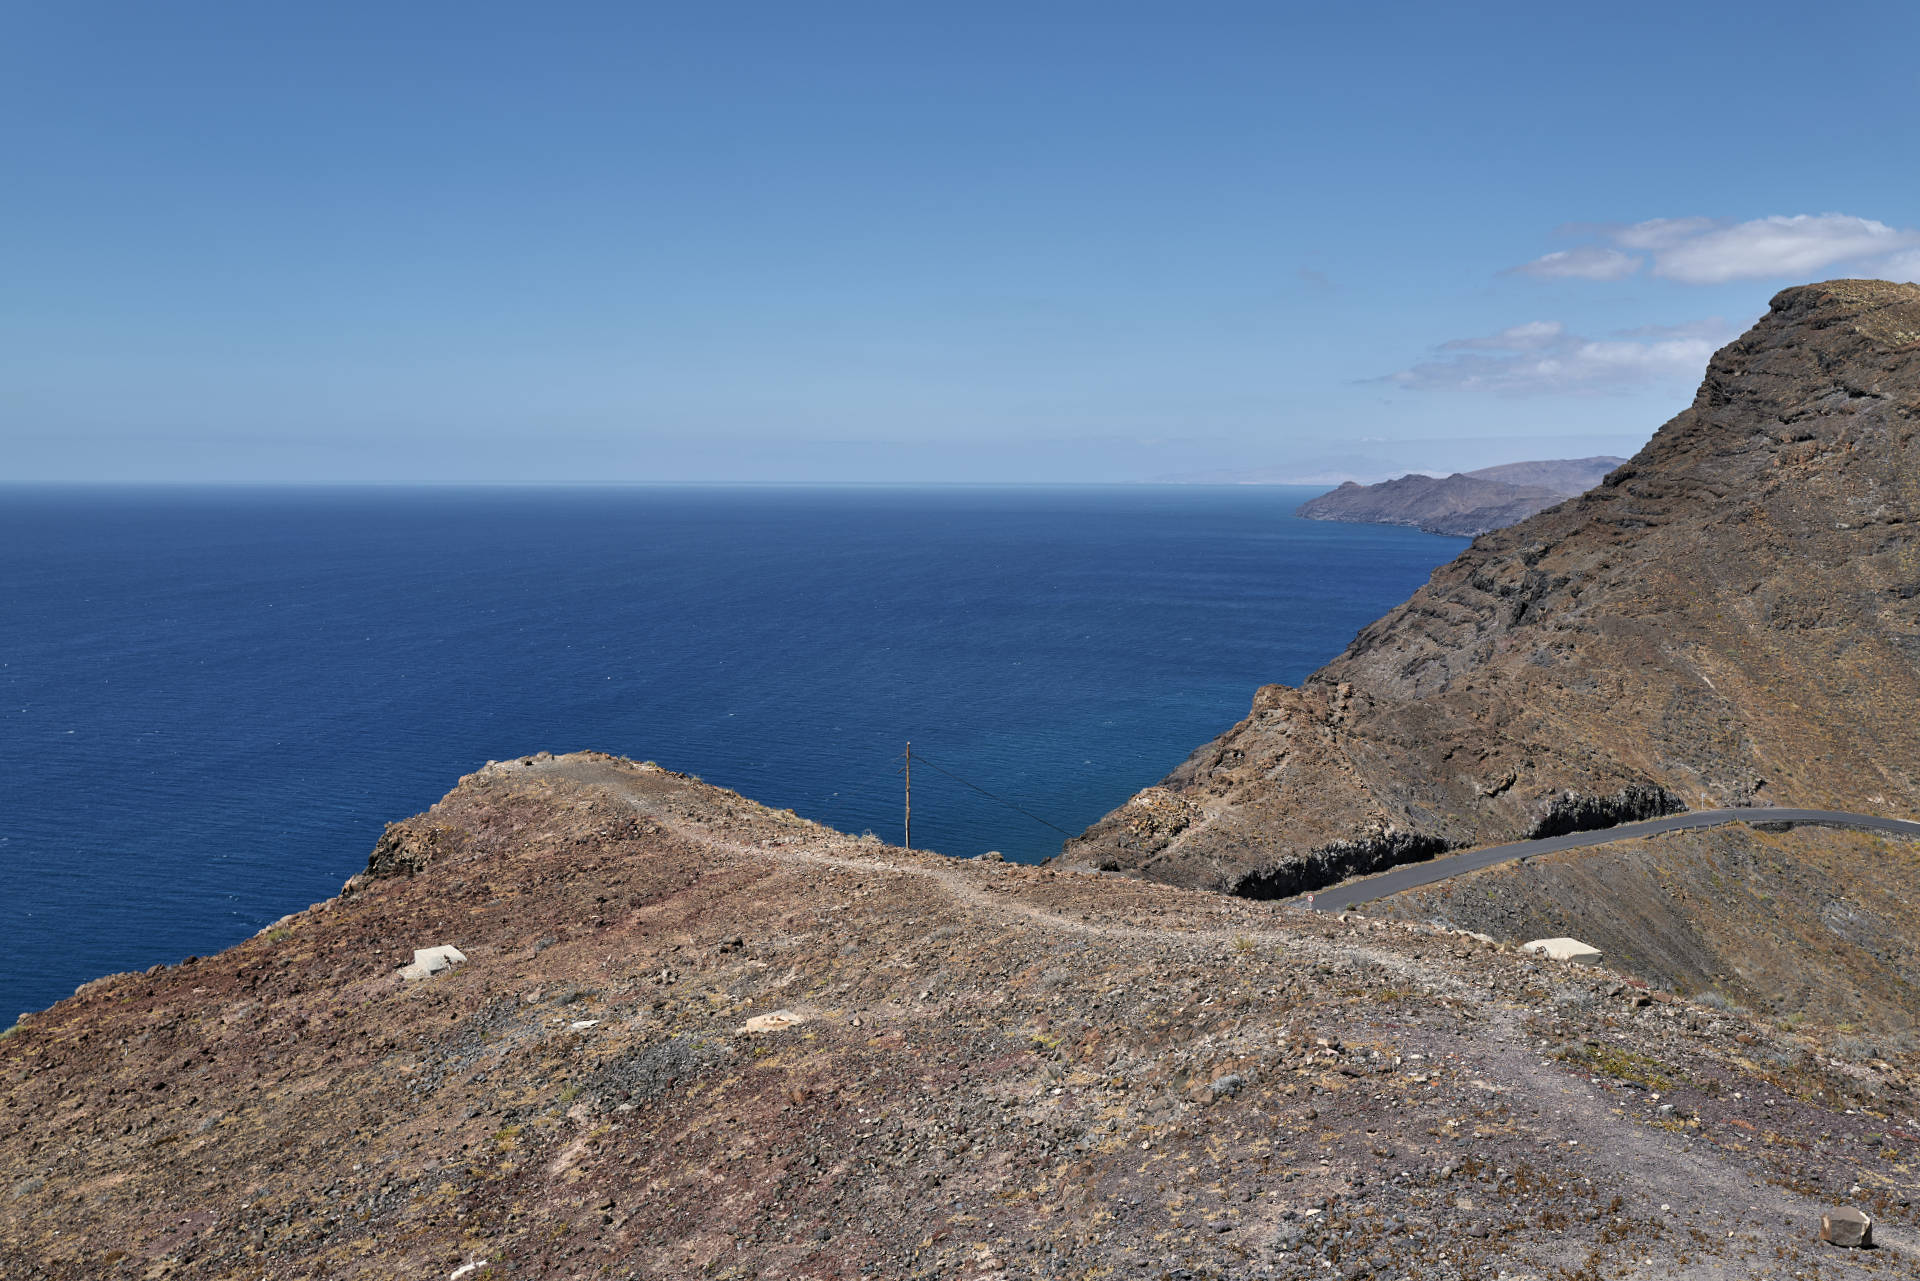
x=1778 y=247
x=1587 y=262
x=1535 y=335
x=1541 y=358
x=1707 y=251
x=1661 y=233
x=1713 y=328
x=1904 y=267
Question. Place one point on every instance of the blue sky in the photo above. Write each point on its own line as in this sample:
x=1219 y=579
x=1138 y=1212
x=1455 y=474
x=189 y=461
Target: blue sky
x=1051 y=242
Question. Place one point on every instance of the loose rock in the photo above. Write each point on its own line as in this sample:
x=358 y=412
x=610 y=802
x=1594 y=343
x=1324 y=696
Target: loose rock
x=1847 y=1227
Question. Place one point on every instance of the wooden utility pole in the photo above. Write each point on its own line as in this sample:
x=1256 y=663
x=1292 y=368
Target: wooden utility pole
x=909 y=840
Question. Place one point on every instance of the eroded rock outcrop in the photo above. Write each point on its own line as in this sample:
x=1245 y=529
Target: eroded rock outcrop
x=407 y=849
x=1733 y=617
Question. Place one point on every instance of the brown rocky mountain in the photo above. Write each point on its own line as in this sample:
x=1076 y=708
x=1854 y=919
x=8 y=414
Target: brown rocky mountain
x=1465 y=503
x=1568 y=476
x=1733 y=617
x=694 y=1037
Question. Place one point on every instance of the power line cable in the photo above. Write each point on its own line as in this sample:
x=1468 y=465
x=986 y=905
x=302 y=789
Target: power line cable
x=992 y=797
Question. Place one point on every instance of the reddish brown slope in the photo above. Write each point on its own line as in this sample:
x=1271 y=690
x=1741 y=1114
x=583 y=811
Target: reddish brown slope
x=1003 y=1072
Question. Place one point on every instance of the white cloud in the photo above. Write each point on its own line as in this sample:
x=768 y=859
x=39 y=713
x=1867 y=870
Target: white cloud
x=1905 y=267
x=1586 y=262
x=1713 y=327
x=1778 y=246
x=1543 y=358
x=1708 y=251
x=1532 y=336
x=1661 y=233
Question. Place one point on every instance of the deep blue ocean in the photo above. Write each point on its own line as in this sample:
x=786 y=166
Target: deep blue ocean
x=213 y=700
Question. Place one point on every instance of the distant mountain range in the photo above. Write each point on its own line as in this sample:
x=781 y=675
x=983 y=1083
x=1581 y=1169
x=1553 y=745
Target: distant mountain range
x=1465 y=503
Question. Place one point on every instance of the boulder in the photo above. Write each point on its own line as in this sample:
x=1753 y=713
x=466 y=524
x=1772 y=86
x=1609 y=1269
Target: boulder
x=775 y=1022
x=1563 y=949
x=1847 y=1227
x=1225 y=1087
x=429 y=961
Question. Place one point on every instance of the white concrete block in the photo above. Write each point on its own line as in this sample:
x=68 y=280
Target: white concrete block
x=1563 y=949
x=429 y=961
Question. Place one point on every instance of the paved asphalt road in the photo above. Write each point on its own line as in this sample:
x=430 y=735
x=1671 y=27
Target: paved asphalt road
x=1409 y=875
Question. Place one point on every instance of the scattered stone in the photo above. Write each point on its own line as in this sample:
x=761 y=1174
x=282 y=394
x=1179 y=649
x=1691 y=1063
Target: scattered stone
x=1848 y=1227
x=774 y=1022
x=1225 y=1087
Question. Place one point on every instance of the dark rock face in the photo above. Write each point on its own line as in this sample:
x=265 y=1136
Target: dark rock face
x=1465 y=503
x=1572 y=812
x=1733 y=617
x=406 y=849
x=1335 y=862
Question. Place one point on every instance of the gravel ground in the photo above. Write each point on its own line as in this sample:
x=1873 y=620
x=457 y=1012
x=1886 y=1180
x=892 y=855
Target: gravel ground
x=975 y=1070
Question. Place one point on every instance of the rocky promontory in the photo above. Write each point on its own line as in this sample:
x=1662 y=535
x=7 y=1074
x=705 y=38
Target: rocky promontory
x=1465 y=503
x=1731 y=618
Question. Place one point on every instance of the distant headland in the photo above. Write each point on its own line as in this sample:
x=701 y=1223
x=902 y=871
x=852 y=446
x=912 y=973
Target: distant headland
x=1467 y=503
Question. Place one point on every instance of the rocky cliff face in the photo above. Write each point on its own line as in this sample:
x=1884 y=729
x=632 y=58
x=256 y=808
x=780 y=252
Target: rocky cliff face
x=1731 y=618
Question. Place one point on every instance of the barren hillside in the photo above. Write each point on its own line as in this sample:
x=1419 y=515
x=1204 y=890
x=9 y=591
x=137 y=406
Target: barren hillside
x=696 y=1037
